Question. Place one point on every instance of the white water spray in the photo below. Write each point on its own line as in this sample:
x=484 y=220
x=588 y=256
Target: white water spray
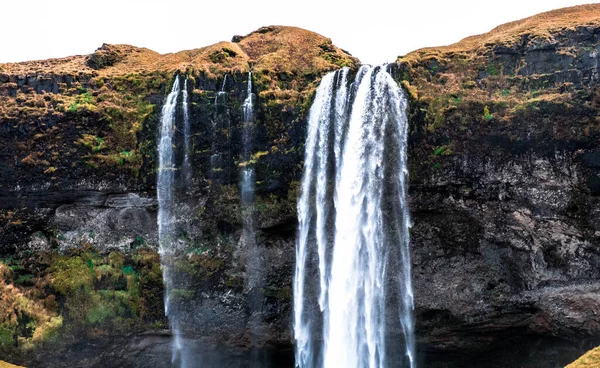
x=247 y=189
x=186 y=167
x=166 y=214
x=359 y=231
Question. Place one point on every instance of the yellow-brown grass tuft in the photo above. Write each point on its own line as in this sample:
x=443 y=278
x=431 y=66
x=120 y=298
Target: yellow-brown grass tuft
x=591 y=359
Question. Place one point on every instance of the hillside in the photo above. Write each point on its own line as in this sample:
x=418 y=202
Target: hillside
x=120 y=86
x=516 y=66
x=591 y=359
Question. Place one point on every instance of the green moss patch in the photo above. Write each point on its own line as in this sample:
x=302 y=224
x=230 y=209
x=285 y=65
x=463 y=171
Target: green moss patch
x=80 y=294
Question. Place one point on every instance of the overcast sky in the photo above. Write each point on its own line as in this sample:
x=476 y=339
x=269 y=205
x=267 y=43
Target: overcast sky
x=375 y=31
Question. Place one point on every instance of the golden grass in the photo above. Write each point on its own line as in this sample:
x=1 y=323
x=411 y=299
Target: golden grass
x=273 y=50
x=279 y=48
x=468 y=73
x=591 y=359
x=16 y=303
x=4 y=364
x=540 y=25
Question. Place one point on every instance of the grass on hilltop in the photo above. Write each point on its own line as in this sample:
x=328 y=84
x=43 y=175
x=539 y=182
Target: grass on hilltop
x=591 y=359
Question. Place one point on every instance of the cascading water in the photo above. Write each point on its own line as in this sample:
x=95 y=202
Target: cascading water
x=222 y=91
x=358 y=230
x=247 y=189
x=254 y=280
x=247 y=172
x=166 y=206
x=221 y=116
x=186 y=167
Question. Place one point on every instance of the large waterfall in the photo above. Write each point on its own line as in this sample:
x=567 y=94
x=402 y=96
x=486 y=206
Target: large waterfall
x=353 y=305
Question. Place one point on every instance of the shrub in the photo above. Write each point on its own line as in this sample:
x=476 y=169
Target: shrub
x=486 y=114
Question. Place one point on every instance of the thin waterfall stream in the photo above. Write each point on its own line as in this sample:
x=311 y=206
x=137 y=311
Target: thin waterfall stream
x=171 y=243
x=358 y=230
x=166 y=210
x=254 y=280
x=247 y=180
x=186 y=167
x=222 y=117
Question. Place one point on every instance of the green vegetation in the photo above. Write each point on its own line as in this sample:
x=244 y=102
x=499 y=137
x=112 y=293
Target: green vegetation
x=492 y=69
x=71 y=275
x=442 y=151
x=219 y=56
x=82 y=103
x=486 y=114
x=97 y=290
x=76 y=294
x=25 y=318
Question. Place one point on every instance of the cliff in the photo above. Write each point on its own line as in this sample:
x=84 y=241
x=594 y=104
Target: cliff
x=78 y=162
x=504 y=168
x=504 y=183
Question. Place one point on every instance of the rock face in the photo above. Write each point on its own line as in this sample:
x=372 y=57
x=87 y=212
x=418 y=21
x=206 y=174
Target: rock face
x=504 y=169
x=77 y=193
x=503 y=183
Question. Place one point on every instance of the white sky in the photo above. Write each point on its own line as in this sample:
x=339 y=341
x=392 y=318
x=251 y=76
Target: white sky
x=375 y=31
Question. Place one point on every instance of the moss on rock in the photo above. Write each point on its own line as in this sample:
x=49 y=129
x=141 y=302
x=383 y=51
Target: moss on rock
x=80 y=294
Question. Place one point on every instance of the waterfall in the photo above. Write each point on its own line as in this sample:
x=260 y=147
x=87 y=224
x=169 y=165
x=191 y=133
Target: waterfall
x=254 y=281
x=222 y=91
x=166 y=171
x=358 y=230
x=247 y=172
x=221 y=112
x=166 y=206
x=248 y=105
x=186 y=167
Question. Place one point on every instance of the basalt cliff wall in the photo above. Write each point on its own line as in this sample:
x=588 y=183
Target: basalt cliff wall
x=504 y=183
